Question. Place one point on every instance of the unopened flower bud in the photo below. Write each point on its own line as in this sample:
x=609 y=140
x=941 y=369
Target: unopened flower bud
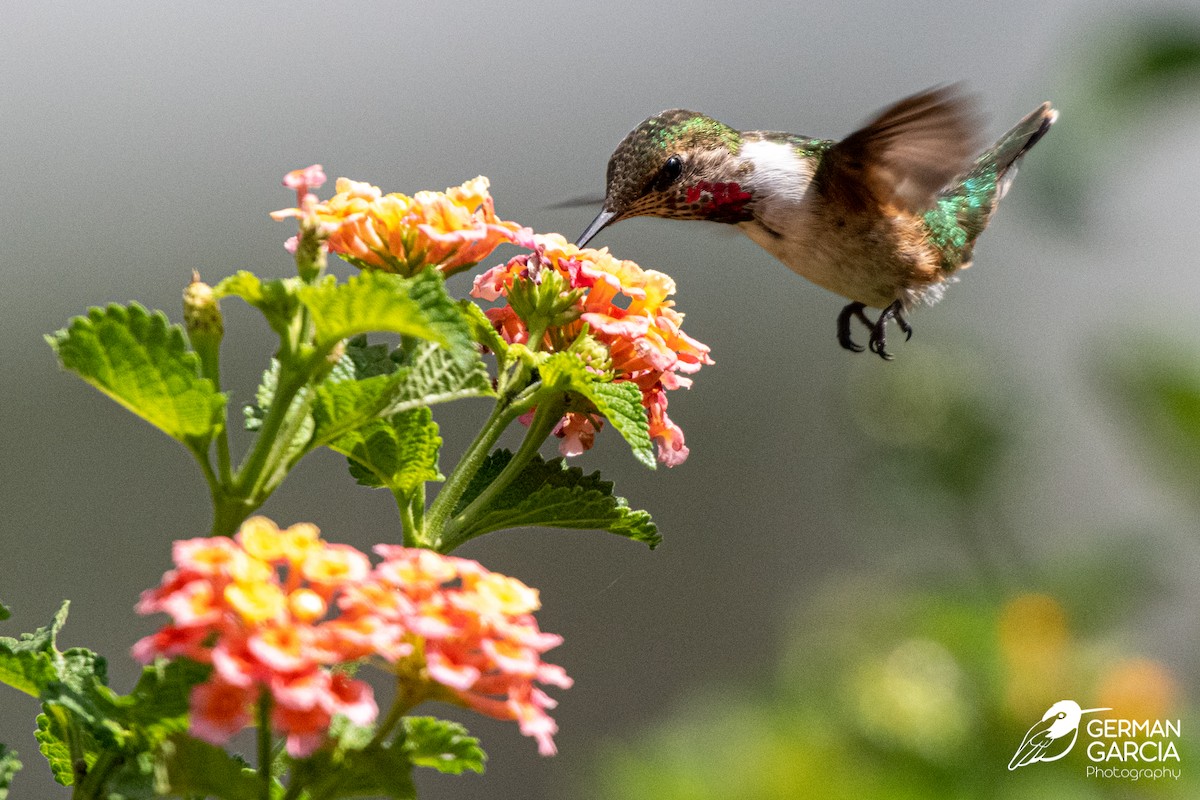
x=201 y=311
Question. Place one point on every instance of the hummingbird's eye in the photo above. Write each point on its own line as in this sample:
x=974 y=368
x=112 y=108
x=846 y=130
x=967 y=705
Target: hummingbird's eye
x=672 y=169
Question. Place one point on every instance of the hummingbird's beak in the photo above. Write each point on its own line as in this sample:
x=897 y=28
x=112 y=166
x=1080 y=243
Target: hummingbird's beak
x=598 y=224
x=1093 y=710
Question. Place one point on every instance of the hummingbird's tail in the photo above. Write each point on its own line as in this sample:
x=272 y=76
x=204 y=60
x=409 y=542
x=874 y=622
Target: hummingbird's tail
x=965 y=207
x=1000 y=162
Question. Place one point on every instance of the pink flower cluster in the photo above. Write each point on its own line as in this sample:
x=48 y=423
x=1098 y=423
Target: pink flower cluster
x=273 y=610
x=480 y=642
x=626 y=308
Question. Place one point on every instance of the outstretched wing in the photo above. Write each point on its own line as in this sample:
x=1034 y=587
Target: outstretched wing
x=1033 y=747
x=904 y=156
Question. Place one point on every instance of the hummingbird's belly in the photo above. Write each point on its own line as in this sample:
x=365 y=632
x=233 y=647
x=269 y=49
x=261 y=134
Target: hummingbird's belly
x=859 y=266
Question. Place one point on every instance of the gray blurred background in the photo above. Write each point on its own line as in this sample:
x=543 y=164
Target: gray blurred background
x=142 y=140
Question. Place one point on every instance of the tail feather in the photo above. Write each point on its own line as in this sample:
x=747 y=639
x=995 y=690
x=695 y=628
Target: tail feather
x=1001 y=159
x=966 y=206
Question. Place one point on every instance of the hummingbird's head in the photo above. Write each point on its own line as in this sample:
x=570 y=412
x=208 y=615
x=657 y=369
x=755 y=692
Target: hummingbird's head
x=677 y=164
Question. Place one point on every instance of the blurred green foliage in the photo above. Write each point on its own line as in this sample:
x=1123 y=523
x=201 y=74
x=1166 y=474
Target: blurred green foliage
x=886 y=691
x=1129 y=74
x=1154 y=386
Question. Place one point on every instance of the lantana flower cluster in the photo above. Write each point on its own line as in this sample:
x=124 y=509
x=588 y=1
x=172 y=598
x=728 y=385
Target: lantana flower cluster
x=451 y=230
x=626 y=308
x=274 y=612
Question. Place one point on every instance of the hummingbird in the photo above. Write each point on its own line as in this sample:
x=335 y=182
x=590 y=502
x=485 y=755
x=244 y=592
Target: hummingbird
x=885 y=217
x=1047 y=740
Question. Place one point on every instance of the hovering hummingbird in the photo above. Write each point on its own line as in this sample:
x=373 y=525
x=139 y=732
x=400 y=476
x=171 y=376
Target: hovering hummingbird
x=1047 y=740
x=885 y=217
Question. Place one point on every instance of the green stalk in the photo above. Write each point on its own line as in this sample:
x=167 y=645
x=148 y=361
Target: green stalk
x=501 y=417
x=456 y=531
x=414 y=536
x=264 y=743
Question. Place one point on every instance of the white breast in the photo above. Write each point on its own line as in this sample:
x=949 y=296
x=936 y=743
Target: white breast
x=780 y=182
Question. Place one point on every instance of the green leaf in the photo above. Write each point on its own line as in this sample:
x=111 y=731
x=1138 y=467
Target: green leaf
x=142 y=361
x=277 y=299
x=9 y=766
x=620 y=403
x=430 y=375
x=364 y=360
x=1156 y=385
x=355 y=770
x=378 y=301
x=551 y=494
x=51 y=737
x=30 y=663
x=483 y=331
x=196 y=768
x=436 y=375
x=399 y=452
x=443 y=745
x=158 y=705
x=4 y=612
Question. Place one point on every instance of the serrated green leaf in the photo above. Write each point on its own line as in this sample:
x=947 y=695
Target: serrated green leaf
x=196 y=768
x=399 y=452
x=378 y=770
x=10 y=765
x=369 y=301
x=431 y=375
x=158 y=705
x=620 y=403
x=276 y=299
x=437 y=375
x=31 y=663
x=141 y=361
x=365 y=360
x=24 y=670
x=51 y=737
x=257 y=411
x=443 y=745
x=483 y=331
x=551 y=494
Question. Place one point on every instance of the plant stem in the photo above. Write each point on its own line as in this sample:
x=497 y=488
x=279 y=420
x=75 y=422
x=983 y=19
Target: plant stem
x=458 y=530
x=268 y=445
x=414 y=536
x=501 y=417
x=264 y=743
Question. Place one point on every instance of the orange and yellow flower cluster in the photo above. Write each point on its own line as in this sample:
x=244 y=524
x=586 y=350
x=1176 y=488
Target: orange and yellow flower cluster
x=626 y=308
x=450 y=230
x=272 y=611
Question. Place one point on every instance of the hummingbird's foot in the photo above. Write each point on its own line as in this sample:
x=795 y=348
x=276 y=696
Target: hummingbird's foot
x=878 y=341
x=843 y=326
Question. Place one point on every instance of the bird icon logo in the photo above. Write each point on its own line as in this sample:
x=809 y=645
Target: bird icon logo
x=1052 y=737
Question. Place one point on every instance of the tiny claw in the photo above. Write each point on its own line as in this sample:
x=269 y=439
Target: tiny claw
x=879 y=329
x=878 y=343
x=843 y=326
x=903 y=323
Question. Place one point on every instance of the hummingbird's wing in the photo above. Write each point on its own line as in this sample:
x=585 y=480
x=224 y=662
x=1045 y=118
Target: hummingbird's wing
x=905 y=155
x=1037 y=739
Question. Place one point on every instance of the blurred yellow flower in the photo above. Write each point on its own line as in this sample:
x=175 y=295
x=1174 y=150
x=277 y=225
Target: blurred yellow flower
x=1035 y=649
